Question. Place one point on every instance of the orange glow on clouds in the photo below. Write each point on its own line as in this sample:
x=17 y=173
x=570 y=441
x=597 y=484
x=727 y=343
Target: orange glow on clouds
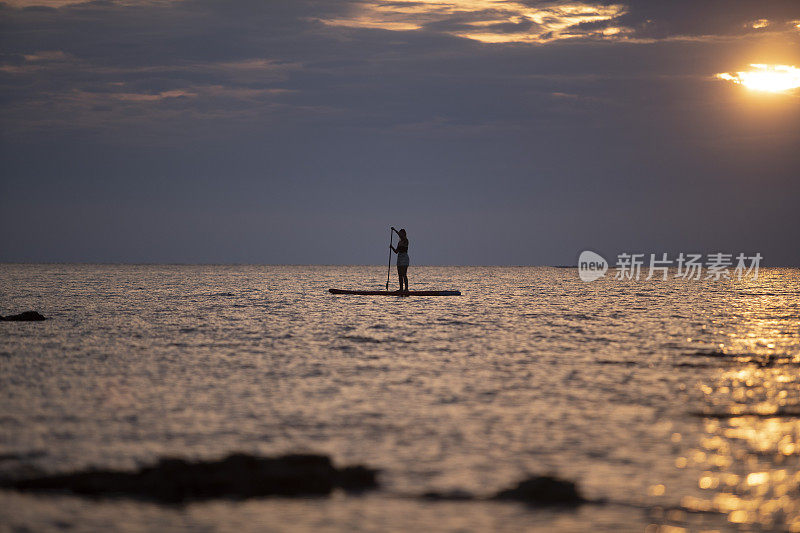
x=489 y=21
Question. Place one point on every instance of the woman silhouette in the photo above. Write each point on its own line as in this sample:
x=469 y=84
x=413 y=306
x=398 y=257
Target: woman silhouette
x=402 y=258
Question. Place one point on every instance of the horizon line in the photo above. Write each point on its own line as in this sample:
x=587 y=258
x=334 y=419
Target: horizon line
x=179 y=263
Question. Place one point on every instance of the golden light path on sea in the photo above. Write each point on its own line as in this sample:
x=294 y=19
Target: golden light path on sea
x=766 y=78
x=489 y=21
x=749 y=455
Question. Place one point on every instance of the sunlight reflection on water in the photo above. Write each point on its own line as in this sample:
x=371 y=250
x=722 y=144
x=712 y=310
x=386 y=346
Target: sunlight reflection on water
x=752 y=436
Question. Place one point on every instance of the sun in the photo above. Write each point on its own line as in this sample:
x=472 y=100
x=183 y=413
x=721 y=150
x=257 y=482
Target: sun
x=766 y=78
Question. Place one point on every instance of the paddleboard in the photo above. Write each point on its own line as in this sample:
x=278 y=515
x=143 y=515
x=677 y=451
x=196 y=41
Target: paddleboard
x=396 y=293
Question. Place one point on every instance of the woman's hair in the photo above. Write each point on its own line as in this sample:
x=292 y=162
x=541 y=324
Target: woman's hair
x=403 y=231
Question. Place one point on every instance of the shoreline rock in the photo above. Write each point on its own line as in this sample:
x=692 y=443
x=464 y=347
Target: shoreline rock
x=543 y=490
x=27 y=316
x=537 y=491
x=242 y=476
x=237 y=476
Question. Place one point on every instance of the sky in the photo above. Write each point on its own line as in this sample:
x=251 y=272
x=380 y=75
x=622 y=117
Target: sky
x=495 y=131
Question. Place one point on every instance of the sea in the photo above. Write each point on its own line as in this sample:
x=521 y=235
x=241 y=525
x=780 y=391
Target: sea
x=673 y=405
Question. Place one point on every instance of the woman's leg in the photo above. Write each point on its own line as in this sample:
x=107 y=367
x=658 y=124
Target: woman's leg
x=400 y=276
x=403 y=271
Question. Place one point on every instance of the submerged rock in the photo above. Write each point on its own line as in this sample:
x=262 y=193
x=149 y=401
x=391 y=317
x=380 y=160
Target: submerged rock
x=236 y=476
x=543 y=490
x=453 y=495
x=710 y=353
x=357 y=478
x=537 y=490
x=27 y=316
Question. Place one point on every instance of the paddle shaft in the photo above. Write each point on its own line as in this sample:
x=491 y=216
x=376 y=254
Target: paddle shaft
x=389 y=268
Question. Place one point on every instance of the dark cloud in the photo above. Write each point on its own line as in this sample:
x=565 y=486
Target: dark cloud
x=708 y=18
x=255 y=131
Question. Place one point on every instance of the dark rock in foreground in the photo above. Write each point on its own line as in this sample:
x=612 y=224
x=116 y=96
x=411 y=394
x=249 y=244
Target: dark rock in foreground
x=236 y=476
x=27 y=316
x=543 y=490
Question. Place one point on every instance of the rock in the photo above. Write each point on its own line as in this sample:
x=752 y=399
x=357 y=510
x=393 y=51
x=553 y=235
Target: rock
x=27 y=316
x=543 y=490
x=710 y=353
x=356 y=478
x=236 y=476
x=453 y=495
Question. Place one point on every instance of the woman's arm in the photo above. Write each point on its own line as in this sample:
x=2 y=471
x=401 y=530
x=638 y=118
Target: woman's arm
x=394 y=230
x=393 y=249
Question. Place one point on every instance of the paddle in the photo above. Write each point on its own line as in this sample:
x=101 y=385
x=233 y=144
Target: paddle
x=389 y=268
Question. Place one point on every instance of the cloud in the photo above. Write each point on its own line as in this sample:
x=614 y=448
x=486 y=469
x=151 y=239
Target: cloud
x=110 y=66
x=33 y=62
x=521 y=21
x=103 y=68
x=47 y=56
x=57 y=4
x=711 y=18
x=488 y=21
x=136 y=97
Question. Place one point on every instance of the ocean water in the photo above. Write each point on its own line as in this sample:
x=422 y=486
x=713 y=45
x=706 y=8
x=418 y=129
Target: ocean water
x=671 y=403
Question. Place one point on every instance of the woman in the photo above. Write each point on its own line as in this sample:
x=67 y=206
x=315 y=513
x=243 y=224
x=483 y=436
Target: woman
x=402 y=258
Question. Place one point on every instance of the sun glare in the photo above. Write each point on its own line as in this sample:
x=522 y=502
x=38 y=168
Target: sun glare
x=767 y=78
